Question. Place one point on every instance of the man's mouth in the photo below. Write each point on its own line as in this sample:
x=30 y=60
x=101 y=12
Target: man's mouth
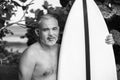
x=51 y=38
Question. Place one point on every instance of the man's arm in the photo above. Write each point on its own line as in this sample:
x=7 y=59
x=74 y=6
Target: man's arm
x=27 y=64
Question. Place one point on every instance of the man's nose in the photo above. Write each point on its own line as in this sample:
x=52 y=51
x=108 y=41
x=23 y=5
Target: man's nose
x=51 y=32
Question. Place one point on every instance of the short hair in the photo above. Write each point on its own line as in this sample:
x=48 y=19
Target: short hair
x=46 y=17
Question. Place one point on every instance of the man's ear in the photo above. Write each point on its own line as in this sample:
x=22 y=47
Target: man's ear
x=37 y=32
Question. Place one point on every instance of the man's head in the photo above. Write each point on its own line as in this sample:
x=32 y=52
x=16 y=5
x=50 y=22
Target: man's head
x=48 y=30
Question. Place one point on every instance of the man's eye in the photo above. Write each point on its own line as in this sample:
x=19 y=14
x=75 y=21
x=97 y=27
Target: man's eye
x=55 y=28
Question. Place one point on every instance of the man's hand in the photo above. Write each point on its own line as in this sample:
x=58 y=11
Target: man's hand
x=109 y=39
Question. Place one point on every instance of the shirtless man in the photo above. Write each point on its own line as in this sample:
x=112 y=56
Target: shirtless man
x=39 y=61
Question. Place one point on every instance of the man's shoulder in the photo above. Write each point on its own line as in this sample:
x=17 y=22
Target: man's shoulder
x=28 y=57
x=34 y=50
x=31 y=50
x=33 y=47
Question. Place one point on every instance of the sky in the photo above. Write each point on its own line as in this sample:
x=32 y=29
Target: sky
x=19 y=31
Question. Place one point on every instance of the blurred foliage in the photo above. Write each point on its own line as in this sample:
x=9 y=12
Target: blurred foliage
x=7 y=10
x=116 y=36
x=111 y=13
x=6 y=57
x=23 y=0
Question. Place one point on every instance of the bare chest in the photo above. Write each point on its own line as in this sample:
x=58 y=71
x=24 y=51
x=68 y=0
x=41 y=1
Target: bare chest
x=46 y=66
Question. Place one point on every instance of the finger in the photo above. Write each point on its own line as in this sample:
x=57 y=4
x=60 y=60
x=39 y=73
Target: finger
x=110 y=42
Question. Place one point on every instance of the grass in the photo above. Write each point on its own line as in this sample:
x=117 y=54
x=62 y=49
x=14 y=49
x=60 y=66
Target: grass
x=8 y=72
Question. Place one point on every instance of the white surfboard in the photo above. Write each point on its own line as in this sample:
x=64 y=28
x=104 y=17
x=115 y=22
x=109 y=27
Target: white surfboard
x=72 y=64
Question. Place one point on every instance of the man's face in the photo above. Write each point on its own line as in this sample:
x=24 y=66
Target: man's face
x=49 y=32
